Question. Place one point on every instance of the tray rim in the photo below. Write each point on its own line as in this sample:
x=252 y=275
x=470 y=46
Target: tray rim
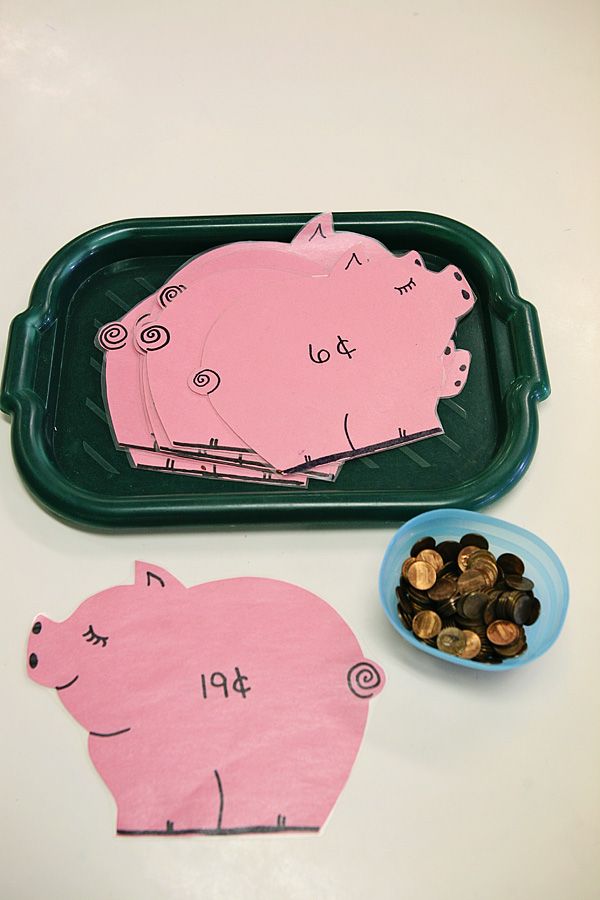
x=84 y=507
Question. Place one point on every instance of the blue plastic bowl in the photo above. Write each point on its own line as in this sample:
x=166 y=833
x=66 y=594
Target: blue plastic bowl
x=542 y=565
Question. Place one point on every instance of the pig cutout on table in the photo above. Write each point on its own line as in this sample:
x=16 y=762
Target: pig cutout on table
x=230 y=707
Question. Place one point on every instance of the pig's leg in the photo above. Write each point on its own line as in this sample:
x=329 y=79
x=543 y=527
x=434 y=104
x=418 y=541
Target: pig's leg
x=293 y=785
x=151 y=781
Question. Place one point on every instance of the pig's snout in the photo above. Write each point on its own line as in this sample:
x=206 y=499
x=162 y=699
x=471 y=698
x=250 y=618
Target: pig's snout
x=43 y=652
x=33 y=659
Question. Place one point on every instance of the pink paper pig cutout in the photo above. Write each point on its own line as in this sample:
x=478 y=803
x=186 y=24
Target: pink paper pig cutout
x=354 y=362
x=314 y=250
x=230 y=707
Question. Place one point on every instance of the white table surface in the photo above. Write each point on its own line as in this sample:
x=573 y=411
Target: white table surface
x=466 y=785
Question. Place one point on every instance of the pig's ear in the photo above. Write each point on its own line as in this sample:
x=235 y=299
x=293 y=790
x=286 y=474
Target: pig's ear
x=352 y=260
x=153 y=577
x=316 y=231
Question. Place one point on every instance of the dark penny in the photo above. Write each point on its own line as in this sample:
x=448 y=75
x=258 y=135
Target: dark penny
x=511 y=564
x=474 y=540
x=471 y=580
x=526 y=610
x=448 y=550
x=443 y=589
x=489 y=613
x=519 y=582
x=426 y=543
x=473 y=605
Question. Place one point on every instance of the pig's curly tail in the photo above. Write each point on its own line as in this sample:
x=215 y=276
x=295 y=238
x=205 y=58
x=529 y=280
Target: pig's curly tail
x=365 y=679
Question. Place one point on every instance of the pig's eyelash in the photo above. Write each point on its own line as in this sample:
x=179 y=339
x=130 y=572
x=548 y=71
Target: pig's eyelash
x=404 y=288
x=93 y=638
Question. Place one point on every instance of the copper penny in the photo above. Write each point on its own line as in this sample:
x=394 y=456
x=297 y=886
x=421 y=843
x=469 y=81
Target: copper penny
x=426 y=624
x=463 y=557
x=502 y=632
x=432 y=557
x=451 y=640
x=472 y=646
x=421 y=575
x=406 y=565
x=513 y=649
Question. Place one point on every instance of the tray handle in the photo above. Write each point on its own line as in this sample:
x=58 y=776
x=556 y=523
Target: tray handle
x=20 y=365
x=529 y=350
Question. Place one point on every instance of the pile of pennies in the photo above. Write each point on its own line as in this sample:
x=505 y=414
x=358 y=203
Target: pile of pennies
x=457 y=596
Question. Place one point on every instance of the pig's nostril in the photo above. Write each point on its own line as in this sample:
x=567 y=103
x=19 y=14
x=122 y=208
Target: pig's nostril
x=33 y=660
x=37 y=628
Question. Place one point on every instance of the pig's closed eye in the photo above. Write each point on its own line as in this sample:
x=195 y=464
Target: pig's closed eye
x=93 y=638
x=405 y=288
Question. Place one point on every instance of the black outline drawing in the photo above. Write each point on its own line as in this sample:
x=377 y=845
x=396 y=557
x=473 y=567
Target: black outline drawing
x=150 y=575
x=405 y=288
x=169 y=293
x=318 y=360
x=346 y=431
x=154 y=334
x=353 y=258
x=110 y=733
x=221 y=799
x=363 y=451
x=202 y=378
x=94 y=638
x=63 y=687
x=318 y=230
x=356 y=677
x=104 y=339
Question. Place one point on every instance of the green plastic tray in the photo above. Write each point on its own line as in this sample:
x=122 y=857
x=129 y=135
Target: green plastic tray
x=63 y=447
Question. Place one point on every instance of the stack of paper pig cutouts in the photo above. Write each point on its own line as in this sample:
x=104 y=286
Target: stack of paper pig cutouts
x=275 y=362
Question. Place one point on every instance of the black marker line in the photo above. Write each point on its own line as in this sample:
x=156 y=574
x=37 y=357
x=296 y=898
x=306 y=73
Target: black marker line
x=349 y=263
x=318 y=230
x=208 y=474
x=384 y=445
x=248 y=829
x=221 y=799
x=346 y=431
x=150 y=575
x=63 y=687
x=110 y=733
